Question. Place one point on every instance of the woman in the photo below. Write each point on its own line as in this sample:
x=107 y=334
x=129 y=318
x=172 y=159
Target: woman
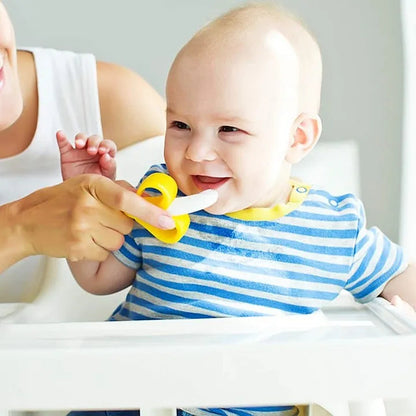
x=42 y=91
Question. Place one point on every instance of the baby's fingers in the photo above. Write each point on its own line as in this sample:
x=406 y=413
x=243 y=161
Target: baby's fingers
x=90 y=144
x=80 y=140
x=108 y=166
x=63 y=144
x=107 y=146
x=403 y=306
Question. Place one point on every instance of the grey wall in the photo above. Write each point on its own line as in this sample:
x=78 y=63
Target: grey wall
x=361 y=46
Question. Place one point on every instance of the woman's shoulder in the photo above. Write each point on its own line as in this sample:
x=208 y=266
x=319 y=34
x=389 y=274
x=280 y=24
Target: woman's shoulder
x=131 y=110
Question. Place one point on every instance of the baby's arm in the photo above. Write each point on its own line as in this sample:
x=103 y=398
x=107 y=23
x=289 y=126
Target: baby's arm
x=90 y=155
x=404 y=286
x=102 y=278
x=94 y=155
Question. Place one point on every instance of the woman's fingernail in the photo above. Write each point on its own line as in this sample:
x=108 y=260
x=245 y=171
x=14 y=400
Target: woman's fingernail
x=166 y=223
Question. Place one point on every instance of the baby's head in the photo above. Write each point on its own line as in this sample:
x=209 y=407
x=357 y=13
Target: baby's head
x=242 y=102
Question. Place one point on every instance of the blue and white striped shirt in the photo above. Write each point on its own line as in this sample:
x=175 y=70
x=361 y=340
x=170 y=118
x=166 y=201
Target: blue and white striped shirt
x=229 y=267
x=225 y=266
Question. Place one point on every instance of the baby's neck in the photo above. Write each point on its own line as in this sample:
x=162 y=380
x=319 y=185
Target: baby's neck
x=281 y=198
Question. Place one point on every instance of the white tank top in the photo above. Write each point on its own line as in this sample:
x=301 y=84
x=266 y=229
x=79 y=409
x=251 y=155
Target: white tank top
x=68 y=100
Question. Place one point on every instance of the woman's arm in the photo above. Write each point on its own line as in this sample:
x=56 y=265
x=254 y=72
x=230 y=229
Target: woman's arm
x=13 y=244
x=131 y=110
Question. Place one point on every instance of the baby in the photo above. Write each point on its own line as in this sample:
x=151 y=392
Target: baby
x=243 y=98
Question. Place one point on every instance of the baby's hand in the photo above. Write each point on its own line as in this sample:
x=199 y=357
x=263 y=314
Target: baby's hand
x=90 y=155
x=404 y=307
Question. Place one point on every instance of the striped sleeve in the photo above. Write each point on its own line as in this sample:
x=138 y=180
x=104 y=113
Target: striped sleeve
x=160 y=168
x=130 y=253
x=376 y=261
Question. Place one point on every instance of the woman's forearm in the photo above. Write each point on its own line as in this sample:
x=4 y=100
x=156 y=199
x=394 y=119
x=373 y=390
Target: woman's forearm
x=14 y=246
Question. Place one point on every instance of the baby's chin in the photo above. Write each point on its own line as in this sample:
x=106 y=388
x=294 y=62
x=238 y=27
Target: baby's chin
x=220 y=209
x=214 y=211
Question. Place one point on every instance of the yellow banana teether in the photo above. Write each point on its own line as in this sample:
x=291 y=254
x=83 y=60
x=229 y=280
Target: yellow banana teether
x=168 y=189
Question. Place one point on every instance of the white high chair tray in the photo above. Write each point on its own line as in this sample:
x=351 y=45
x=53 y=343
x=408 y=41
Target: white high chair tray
x=344 y=353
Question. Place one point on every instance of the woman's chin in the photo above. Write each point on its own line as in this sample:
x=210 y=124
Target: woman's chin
x=8 y=118
x=11 y=113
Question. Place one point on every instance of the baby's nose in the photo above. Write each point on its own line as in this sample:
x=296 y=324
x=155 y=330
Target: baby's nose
x=200 y=149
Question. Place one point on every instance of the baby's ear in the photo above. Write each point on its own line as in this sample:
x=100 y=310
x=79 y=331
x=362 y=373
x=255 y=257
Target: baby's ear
x=306 y=131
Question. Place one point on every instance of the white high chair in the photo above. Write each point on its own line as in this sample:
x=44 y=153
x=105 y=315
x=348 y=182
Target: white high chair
x=331 y=358
x=280 y=361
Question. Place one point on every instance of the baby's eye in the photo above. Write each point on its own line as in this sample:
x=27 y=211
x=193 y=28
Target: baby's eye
x=180 y=125
x=228 y=129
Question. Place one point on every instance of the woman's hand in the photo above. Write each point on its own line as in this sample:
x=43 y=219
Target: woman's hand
x=81 y=218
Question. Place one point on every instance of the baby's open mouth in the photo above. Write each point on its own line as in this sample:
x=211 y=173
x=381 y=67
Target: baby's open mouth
x=208 y=182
